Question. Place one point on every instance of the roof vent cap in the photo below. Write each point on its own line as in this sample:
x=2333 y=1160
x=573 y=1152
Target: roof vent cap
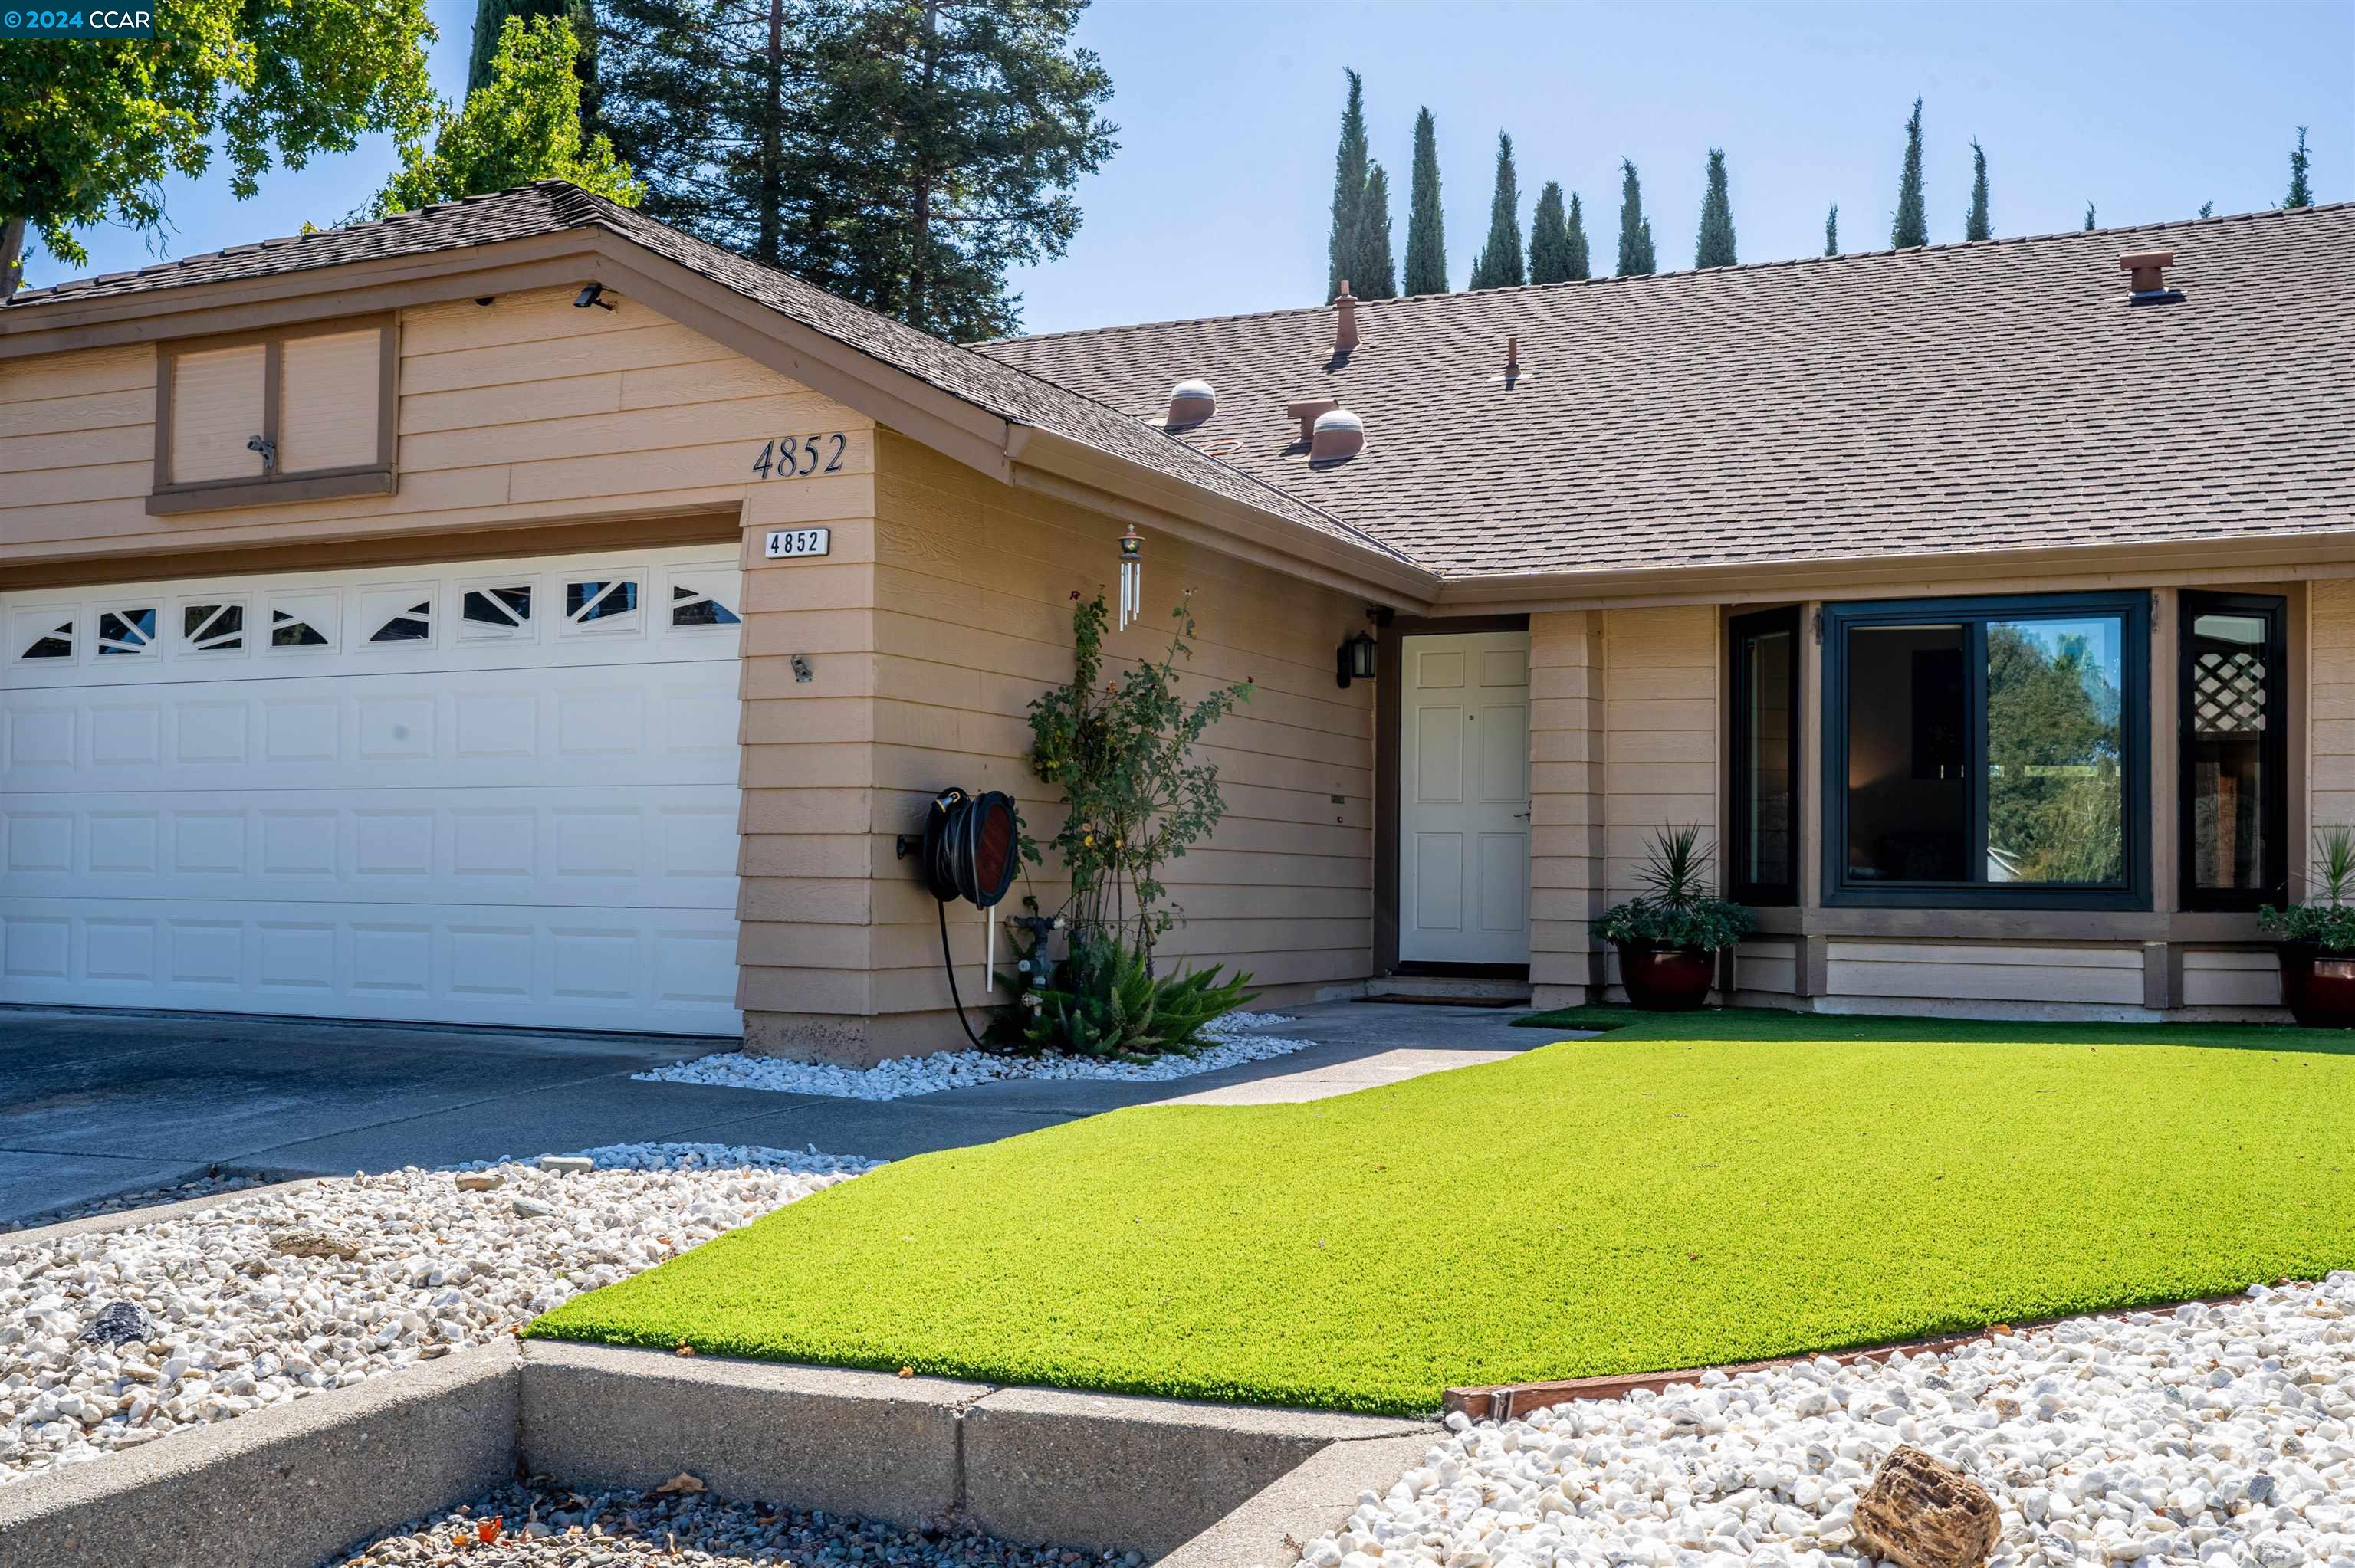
x=2148 y=270
x=1308 y=410
x=1344 y=330
x=1338 y=435
x=1190 y=402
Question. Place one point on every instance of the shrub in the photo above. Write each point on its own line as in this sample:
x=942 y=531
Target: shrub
x=1676 y=909
x=2327 y=923
x=1105 y=1001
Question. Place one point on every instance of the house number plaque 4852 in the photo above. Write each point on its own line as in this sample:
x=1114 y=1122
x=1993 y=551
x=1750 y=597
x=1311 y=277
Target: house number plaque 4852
x=798 y=457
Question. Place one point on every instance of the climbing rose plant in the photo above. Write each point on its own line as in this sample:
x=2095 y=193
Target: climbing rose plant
x=1121 y=749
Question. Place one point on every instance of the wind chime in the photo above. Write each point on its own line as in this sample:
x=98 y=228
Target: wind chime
x=1132 y=578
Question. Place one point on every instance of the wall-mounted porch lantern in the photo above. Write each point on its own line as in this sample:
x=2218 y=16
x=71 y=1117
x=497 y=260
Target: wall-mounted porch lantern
x=1354 y=661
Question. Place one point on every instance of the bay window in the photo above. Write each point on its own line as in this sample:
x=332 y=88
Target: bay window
x=1988 y=752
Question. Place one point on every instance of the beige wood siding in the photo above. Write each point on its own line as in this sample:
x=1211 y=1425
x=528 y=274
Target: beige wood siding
x=1987 y=971
x=326 y=400
x=521 y=413
x=2230 y=977
x=218 y=397
x=2331 y=707
x=929 y=634
x=1566 y=742
x=1768 y=967
x=1660 y=715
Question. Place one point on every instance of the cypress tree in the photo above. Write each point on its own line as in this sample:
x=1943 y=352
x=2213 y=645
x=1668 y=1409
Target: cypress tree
x=1579 y=267
x=1715 y=246
x=1549 y=238
x=2300 y=193
x=1974 y=225
x=2089 y=216
x=1831 y=231
x=1348 y=186
x=1426 y=231
x=1376 y=275
x=1635 y=254
x=1500 y=264
x=1912 y=224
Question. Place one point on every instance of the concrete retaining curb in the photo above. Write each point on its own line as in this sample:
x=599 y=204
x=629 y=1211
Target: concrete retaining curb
x=809 y=1438
x=283 y=1488
x=1045 y=1465
x=1302 y=1504
x=292 y=1485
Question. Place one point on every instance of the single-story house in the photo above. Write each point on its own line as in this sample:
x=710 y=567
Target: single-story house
x=518 y=612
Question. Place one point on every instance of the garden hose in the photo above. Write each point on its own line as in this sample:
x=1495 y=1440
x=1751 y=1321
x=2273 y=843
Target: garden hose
x=971 y=849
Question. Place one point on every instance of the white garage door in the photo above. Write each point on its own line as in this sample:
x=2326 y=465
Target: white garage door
x=495 y=793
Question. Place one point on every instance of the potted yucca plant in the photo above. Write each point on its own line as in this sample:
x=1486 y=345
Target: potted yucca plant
x=1669 y=935
x=2318 y=937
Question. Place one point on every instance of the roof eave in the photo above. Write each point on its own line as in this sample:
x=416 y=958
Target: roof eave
x=2249 y=559
x=1087 y=476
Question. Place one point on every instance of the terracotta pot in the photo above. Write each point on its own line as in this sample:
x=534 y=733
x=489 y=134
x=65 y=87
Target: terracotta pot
x=1666 y=979
x=2318 y=987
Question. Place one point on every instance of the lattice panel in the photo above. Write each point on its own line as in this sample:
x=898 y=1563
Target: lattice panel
x=2228 y=692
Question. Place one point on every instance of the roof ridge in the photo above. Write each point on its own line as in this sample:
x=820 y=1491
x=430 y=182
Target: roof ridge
x=2046 y=237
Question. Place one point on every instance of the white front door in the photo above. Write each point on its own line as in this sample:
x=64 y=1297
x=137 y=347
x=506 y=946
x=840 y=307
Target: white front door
x=1463 y=799
x=490 y=792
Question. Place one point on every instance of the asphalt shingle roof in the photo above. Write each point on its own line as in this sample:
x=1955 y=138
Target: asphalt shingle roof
x=1955 y=400
x=1959 y=398
x=552 y=207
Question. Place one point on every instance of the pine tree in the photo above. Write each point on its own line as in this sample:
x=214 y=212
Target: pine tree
x=2300 y=193
x=1831 y=231
x=1349 y=187
x=1580 y=268
x=491 y=15
x=756 y=128
x=1376 y=275
x=2089 y=216
x=1549 y=238
x=1912 y=224
x=1715 y=246
x=1635 y=253
x=1500 y=264
x=1976 y=224
x=1426 y=230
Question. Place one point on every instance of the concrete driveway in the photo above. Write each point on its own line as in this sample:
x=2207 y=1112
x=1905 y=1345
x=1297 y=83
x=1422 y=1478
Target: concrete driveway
x=98 y=1103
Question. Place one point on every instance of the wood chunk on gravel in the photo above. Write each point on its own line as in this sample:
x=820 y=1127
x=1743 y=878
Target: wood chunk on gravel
x=552 y=1526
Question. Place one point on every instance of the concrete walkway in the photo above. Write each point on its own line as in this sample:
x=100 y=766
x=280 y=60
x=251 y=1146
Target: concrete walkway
x=97 y=1103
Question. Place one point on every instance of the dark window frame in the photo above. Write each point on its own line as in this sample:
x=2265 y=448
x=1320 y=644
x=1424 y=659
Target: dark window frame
x=2134 y=707
x=1740 y=629
x=2274 y=810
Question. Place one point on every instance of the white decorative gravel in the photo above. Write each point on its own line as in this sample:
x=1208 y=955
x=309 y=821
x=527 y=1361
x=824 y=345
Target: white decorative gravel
x=2199 y=1438
x=1235 y=1038
x=242 y=1324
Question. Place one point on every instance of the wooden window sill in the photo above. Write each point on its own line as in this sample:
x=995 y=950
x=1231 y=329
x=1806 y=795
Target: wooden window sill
x=272 y=492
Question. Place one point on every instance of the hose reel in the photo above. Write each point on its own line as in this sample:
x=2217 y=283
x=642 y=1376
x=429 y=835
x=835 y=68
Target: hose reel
x=971 y=849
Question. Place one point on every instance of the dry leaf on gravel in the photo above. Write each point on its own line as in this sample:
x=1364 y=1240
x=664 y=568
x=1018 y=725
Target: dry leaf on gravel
x=681 y=1482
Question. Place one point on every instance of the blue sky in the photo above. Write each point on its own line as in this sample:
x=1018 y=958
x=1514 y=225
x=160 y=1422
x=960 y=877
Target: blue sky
x=1216 y=202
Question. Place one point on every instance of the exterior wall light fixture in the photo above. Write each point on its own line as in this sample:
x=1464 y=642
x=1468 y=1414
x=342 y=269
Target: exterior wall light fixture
x=1354 y=661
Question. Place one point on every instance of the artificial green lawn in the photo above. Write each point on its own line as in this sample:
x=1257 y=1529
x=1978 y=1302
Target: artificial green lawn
x=1683 y=1190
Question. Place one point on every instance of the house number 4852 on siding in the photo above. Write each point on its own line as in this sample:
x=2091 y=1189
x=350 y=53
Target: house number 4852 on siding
x=798 y=457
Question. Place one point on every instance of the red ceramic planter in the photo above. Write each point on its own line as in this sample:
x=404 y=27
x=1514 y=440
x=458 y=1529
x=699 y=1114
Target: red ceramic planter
x=2318 y=987
x=1666 y=979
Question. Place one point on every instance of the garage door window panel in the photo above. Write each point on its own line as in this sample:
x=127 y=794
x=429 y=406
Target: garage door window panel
x=212 y=628
x=602 y=604
x=126 y=632
x=700 y=604
x=292 y=414
x=494 y=611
